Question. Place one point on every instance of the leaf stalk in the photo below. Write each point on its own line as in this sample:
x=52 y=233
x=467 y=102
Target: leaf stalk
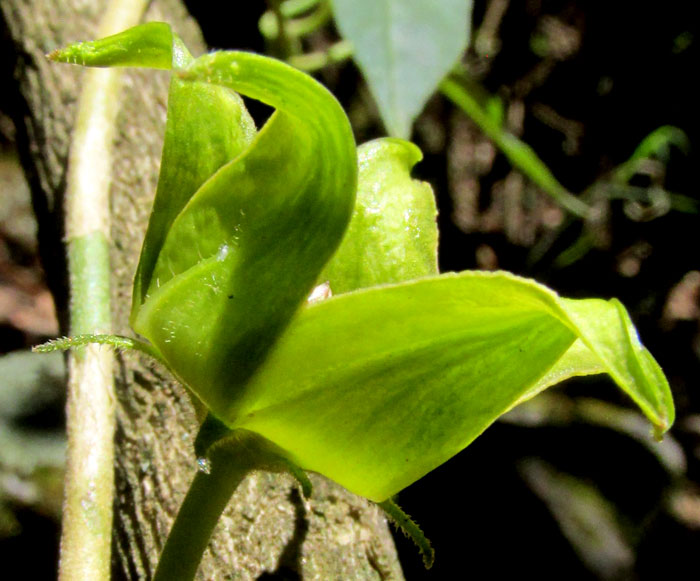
x=206 y=499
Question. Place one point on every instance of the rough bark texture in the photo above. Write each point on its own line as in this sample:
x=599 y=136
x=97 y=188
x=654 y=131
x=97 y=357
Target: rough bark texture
x=268 y=531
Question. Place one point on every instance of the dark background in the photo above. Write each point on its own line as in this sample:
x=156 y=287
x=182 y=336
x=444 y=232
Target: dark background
x=582 y=83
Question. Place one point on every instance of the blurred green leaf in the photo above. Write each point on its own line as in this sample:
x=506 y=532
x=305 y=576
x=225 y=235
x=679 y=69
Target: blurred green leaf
x=557 y=409
x=404 y=48
x=29 y=382
x=587 y=519
x=31 y=459
x=24 y=450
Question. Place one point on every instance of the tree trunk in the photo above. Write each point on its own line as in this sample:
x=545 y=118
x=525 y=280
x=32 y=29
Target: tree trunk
x=268 y=529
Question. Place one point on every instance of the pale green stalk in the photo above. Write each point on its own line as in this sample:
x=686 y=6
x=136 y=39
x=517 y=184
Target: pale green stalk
x=199 y=513
x=89 y=484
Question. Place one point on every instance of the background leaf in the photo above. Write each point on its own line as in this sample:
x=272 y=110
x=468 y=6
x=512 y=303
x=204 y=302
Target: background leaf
x=404 y=48
x=590 y=522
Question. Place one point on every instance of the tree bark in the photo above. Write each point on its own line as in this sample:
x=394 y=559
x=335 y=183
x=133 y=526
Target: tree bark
x=268 y=531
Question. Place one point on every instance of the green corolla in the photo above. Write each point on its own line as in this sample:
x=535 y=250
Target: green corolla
x=402 y=367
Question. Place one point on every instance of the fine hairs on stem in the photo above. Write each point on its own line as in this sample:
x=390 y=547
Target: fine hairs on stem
x=88 y=493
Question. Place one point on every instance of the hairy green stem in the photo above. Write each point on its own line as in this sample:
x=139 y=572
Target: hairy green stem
x=206 y=499
x=87 y=509
x=118 y=342
x=406 y=524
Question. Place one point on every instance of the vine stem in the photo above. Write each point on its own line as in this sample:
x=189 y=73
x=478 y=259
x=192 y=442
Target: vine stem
x=90 y=409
